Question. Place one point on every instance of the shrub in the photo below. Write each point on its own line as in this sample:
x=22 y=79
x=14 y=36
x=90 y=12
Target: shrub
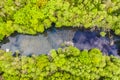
x=32 y=16
x=64 y=64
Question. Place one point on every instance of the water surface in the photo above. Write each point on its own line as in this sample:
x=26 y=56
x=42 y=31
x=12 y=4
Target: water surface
x=55 y=38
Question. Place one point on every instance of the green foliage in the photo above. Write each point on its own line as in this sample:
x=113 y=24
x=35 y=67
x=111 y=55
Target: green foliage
x=32 y=16
x=72 y=51
x=84 y=57
x=64 y=64
x=103 y=34
x=10 y=66
x=41 y=3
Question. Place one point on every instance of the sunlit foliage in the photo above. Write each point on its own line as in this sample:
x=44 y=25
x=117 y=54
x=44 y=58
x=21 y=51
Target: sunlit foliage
x=32 y=16
x=63 y=64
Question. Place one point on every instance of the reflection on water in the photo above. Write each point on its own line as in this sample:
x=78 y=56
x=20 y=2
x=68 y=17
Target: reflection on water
x=41 y=43
x=88 y=40
x=54 y=38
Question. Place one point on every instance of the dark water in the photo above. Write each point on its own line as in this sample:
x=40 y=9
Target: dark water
x=41 y=43
x=88 y=40
x=56 y=38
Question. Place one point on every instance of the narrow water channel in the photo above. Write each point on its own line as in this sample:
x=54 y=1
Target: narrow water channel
x=59 y=38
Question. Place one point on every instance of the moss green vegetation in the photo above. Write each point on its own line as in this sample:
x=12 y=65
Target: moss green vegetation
x=32 y=16
x=64 y=64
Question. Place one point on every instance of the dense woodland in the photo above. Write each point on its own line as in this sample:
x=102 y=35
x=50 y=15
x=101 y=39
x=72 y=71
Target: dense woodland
x=32 y=16
x=70 y=63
